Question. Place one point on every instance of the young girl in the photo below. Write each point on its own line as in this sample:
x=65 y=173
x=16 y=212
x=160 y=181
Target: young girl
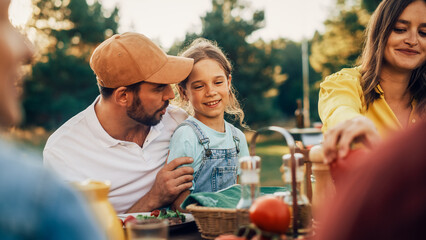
x=214 y=144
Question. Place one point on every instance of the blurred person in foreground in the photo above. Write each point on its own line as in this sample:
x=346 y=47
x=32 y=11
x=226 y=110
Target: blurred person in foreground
x=124 y=135
x=384 y=198
x=33 y=203
x=387 y=92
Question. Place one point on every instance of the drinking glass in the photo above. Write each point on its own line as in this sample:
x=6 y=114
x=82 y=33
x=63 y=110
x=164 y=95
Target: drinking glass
x=148 y=229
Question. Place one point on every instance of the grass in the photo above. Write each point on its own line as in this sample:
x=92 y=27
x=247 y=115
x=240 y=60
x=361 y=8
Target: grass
x=271 y=153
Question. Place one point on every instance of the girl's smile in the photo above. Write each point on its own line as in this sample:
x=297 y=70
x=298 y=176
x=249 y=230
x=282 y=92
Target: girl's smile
x=213 y=103
x=208 y=90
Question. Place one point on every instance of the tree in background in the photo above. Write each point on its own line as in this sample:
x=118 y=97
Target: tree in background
x=267 y=75
x=62 y=83
x=341 y=45
x=254 y=68
x=370 y=5
x=288 y=54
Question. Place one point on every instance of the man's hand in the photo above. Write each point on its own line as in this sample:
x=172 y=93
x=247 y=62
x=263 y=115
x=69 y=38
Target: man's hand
x=171 y=180
x=169 y=183
x=337 y=140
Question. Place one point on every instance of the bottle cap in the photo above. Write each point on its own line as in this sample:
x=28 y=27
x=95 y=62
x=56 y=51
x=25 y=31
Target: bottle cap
x=297 y=156
x=249 y=163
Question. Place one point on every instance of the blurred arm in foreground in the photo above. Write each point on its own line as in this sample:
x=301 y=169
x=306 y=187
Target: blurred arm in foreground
x=34 y=204
x=384 y=197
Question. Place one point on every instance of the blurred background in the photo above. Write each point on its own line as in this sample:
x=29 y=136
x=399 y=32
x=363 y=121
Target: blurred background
x=280 y=50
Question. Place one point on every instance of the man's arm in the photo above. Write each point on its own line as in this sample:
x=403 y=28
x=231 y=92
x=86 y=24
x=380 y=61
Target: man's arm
x=169 y=183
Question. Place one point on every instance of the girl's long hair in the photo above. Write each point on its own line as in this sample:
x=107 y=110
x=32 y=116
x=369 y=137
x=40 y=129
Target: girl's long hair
x=201 y=49
x=378 y=31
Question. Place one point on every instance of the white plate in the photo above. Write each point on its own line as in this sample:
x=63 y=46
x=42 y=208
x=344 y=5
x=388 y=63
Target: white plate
x=189 y=219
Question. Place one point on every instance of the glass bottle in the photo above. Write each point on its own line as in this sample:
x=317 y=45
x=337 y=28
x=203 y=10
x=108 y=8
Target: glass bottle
x=249 y=181
x=96 y=193
x=303 y=218
x=300 y=119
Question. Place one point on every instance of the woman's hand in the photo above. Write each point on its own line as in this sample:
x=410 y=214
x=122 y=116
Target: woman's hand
x=337 y=140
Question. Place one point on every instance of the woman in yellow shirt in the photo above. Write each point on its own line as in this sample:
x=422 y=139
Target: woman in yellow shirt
x=387 y=91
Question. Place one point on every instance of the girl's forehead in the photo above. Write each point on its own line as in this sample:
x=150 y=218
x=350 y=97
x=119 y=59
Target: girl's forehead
x=207 y=67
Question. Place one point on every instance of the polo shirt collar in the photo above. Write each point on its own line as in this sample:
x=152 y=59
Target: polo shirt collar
x=154 y=132
x=106 y=139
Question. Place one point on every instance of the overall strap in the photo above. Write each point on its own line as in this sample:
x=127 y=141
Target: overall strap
x=235 y=137
x=202 y=137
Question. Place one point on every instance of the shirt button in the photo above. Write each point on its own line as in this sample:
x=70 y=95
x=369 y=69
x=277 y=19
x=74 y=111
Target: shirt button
x=413 y=121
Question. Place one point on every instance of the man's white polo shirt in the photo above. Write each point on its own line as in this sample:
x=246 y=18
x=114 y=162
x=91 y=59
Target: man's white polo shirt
x=82 y=149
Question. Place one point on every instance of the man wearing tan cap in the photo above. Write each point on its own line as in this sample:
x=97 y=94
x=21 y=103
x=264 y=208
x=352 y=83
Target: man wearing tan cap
x=123 y=137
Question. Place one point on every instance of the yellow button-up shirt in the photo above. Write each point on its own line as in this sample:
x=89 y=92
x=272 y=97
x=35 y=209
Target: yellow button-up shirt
x=341 y=98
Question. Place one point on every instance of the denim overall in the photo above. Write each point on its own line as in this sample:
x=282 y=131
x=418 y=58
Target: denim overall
x=218 y=168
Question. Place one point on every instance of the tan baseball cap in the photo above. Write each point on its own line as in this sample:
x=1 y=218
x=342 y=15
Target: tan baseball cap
x=128 y=58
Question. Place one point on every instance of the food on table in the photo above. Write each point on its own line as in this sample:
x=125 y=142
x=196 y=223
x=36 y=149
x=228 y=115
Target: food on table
x=270 y=214
x=128 y=219
x=155 y=213
x=174 y=217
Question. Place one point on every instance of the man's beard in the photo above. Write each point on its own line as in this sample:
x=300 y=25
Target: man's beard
x=137 y=112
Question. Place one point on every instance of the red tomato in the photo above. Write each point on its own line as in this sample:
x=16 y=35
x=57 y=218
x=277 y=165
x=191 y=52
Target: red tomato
x=129 y=219
x=229 y=237
x=155 y=213
x=270 y=214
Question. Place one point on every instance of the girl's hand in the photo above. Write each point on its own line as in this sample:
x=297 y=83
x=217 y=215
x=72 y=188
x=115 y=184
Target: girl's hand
x=337 y=140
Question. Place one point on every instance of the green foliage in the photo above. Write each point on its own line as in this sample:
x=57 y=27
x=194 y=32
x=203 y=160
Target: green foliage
x=58 y=89
x=341 y=44
x=370 y=5
x=62 y=83
x=267 y=76
x=288 y=55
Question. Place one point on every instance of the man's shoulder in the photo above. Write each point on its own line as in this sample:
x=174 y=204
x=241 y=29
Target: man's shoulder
x=67 y=128
x=177 y=114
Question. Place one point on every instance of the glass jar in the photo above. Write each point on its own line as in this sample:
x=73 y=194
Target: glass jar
x=249 y=181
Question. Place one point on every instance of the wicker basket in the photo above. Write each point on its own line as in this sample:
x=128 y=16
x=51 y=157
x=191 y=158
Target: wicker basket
x=213 y=222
